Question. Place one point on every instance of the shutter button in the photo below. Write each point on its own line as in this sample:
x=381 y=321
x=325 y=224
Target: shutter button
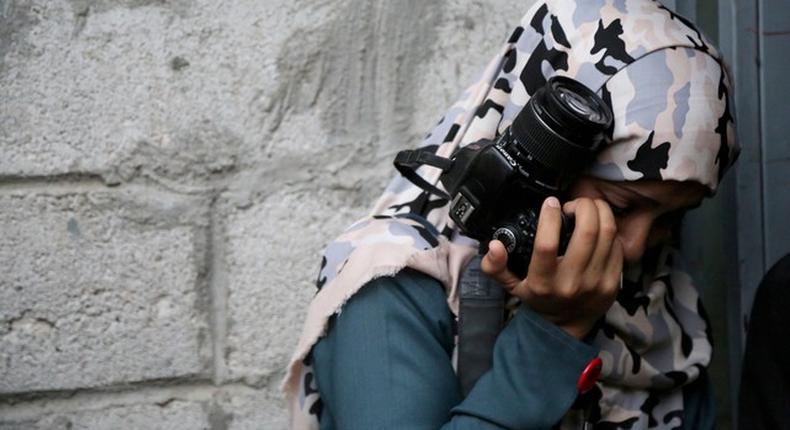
x=589 y=376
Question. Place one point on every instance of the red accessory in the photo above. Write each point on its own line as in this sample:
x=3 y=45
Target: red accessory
x=589 y=376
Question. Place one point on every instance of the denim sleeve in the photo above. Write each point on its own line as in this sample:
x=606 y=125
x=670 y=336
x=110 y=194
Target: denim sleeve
x=386 y=364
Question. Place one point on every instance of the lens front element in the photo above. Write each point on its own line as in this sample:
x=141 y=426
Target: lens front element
x=579 y=105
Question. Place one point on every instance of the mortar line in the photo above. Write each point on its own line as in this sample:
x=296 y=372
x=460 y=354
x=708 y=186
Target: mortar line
x=55 y=183
x=218 y=293
x=96 y=399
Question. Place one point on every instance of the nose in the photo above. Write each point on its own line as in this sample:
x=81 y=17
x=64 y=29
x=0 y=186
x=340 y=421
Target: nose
x=634 y=232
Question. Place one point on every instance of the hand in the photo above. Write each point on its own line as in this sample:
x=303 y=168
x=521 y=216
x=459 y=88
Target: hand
x=576 y=289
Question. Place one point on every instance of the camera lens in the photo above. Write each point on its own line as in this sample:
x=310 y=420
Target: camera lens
x=579 y=105
x=558 y=132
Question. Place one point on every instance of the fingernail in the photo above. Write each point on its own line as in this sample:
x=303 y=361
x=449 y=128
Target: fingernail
x=552 y=202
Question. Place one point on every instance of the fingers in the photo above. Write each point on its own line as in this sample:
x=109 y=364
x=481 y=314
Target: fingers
x=584 y=237
x=607 y=230
x=575 y=290
x=494 y=264
x=547 y=239
x=612 y=275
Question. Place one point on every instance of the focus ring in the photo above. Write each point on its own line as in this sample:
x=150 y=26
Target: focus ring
x=547 y=147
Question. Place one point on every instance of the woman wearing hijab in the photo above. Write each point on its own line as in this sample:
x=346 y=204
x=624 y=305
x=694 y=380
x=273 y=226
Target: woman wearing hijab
x=377 y=345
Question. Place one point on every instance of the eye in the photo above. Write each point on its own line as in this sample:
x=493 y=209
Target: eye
x=619 y=210
x=671 y=218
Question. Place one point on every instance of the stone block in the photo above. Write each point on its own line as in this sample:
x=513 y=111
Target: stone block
x=101 y=287
x=273 y=254
x=189 y=91
x=250 y=409
x=122 y=88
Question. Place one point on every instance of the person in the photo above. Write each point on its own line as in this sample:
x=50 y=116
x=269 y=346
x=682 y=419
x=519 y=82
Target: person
x=377 y=345
x=765 y=375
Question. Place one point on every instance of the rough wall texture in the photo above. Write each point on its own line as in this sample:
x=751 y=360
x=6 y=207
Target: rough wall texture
x=170 y=171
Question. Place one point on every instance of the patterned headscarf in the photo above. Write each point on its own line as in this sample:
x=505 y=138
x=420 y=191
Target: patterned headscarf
x=670 y=95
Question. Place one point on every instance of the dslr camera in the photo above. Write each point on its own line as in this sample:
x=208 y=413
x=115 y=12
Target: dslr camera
x=496 y=187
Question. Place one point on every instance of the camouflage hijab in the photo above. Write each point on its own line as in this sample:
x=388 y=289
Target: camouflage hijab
x=670 y=96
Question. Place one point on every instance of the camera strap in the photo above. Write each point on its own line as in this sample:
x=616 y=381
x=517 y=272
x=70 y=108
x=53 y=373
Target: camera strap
x=481 y=313
x=408 y=161
x=481 y=317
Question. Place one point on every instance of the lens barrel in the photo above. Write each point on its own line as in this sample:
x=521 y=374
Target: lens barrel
x=563 y=125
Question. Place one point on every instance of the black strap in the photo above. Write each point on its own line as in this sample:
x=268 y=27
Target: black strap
x=409 y=160
x=481 y=316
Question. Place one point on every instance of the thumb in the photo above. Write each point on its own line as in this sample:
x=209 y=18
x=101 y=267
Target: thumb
x=494 y=264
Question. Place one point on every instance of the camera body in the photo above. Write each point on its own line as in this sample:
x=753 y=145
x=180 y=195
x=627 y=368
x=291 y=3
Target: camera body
x=494 y=200
x=497 y=188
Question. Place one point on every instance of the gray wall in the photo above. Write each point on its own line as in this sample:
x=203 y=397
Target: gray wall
x=756 y=34
x=733 y=239
x=759 y=37
x=170 y=171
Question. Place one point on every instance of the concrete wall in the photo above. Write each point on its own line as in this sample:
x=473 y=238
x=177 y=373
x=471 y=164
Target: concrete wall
x=170 y=171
